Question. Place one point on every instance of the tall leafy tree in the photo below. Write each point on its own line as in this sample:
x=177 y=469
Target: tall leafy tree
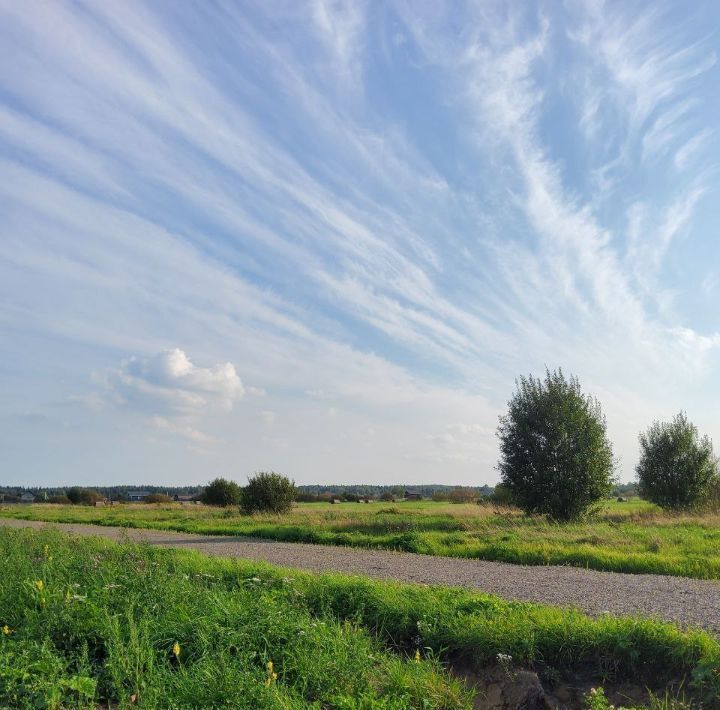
x=555 y=456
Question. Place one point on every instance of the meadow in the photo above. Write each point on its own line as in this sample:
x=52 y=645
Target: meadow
x=633 y=536
x=92 y=623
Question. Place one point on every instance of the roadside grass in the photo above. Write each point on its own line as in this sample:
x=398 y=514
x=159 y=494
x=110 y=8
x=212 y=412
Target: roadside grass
x=93 y=622
x=635 y=537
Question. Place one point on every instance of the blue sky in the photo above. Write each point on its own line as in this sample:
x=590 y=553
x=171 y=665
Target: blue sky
x=324 y=238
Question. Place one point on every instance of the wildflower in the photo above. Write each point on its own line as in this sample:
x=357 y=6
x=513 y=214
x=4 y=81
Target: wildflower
x=176 y=650
x=45 y=550
x=39 y=585
x=417 y=655
x=271 y=674
x=6 y=630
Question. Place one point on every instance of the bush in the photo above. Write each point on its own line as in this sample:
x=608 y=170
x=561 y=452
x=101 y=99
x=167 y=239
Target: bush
x=222 y=492
x=158 y=498
x=501 y=495
x=555 y=457
x=59 y=500
x=677 y=468
x=268 y=492
x=83 y=496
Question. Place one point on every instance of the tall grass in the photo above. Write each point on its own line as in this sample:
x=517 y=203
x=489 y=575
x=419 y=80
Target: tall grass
x=633 y=537
x=89 y=623
x=102 y=628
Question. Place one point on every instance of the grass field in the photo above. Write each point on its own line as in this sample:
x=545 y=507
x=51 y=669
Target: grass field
x=88 y=623
x=624 y=537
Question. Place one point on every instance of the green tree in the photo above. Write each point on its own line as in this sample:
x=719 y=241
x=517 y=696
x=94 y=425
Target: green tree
x=555 y=456
x=83 y=496
x=222 y=492
x=268 y=492
x=677 y=468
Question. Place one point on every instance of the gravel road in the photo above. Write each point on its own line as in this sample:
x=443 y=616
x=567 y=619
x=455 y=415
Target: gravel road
x=688 y=602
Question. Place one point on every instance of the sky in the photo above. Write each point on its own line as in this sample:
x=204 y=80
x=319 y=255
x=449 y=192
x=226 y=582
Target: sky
x=324 y=237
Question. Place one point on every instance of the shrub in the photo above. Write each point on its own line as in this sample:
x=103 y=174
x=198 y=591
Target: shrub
x=158 y=498
x=677 y=468
x=222 y=492
x=555 y=457
x=268 y=492
x=83 y=496
x=59 y=500
x=501 y=495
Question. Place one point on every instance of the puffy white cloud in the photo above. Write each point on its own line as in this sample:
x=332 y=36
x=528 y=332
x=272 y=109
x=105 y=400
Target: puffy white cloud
x=169 y=383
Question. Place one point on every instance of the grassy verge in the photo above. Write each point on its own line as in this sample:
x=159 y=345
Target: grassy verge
x=630 y=537
x=92 y=621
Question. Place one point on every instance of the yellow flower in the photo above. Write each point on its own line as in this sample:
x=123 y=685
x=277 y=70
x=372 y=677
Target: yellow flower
x=271 y=676
x=39 y=585
x=6 y=630
x=417 y=656
x=45 y=550
x=176 y=649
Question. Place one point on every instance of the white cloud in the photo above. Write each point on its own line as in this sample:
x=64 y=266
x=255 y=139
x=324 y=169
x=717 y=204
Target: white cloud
x=183 y=430
x=170 y=382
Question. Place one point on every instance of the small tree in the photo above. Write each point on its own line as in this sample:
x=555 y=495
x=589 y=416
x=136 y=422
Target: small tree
x=268 y=492
x=83 y=496
x=222 y=492
x=677 y=468
x=555 y=457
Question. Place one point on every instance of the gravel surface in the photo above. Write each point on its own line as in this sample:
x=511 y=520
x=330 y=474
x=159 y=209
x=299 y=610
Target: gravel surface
x=688 y=602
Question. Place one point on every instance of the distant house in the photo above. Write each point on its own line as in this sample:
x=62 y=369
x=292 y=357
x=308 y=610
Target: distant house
x=184 y=499
x=413 y=495
x=137 y=496
x=27 y=498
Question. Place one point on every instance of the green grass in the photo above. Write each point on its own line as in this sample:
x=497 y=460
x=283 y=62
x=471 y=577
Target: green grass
x=631 y=537
x=96 y=623
x=101 y=627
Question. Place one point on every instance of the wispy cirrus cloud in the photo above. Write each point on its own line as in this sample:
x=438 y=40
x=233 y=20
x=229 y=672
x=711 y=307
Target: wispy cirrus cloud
x=403 y=230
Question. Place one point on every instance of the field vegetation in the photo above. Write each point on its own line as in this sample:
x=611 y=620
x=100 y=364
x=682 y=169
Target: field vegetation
x=93 y=623
x=633 y=536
